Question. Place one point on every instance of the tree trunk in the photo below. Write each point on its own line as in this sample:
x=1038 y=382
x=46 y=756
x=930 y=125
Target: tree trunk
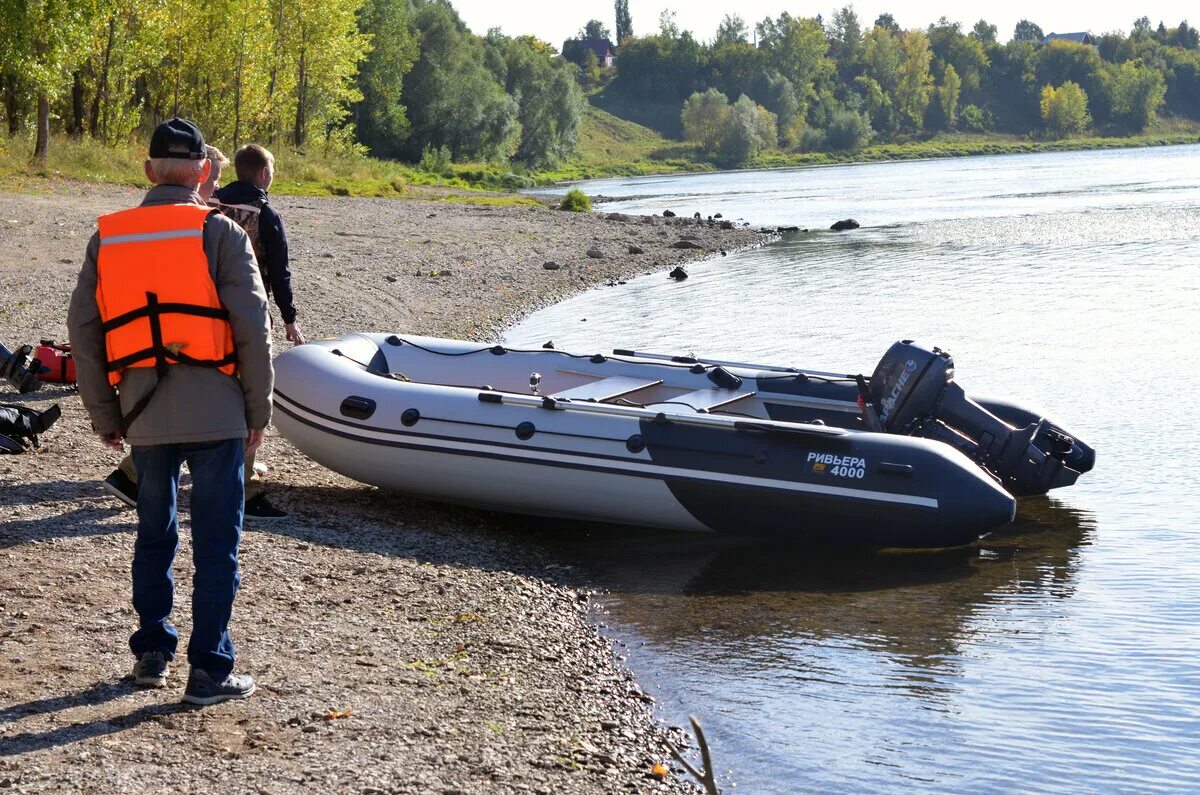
x=100 y=101
x=41 y=149
x=237 y=98
x=301 y=101
x=10 y=105
x=75 y=128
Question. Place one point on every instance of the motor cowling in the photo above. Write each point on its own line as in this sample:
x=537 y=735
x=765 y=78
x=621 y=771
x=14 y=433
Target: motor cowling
x=913 y=392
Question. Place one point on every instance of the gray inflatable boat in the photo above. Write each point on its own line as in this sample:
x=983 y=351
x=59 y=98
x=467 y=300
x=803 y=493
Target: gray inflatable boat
x=902 y=458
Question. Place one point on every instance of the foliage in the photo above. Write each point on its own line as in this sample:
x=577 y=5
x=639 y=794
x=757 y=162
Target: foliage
x=1065 y=109
x=576 y=201
x=624 y=21
x=549 y=102
x=974 y=119
x=704 y=118
x=595 y=29
x=915 y=85
x=452 y=97
x=948 y=97
x=848 y=131
x=435 y=160
x=743 y=137
x=1138 y=92
x=1027 y=31
x=380 y=117
x=731 y=30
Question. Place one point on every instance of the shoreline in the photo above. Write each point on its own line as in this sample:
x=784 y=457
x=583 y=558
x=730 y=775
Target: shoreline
x=466 y=663
x=600 y=198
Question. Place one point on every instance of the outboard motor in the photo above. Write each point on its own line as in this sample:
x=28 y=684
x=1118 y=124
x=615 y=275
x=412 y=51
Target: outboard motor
x=913 y=393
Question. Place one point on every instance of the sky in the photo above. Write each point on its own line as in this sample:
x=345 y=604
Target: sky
x=556 y=20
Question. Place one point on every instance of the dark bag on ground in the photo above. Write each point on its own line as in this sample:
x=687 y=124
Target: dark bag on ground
x=20 y=426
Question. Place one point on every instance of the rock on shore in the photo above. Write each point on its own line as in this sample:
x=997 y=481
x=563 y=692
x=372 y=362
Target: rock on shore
x=400 y=646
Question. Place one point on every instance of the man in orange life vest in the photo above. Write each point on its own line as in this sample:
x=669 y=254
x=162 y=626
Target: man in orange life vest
x=122 y=481
x=172 y=344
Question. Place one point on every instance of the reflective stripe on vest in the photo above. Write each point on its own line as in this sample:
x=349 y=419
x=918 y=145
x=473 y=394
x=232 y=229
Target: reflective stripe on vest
x=156 y=295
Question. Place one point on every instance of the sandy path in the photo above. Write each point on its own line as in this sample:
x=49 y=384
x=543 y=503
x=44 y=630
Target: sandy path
x=465 y=662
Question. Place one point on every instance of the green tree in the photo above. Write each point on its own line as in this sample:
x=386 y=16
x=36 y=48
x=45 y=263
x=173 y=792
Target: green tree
x=1065 y=109
x=846 y=43
x=965 y=53
x=883 y=54
x=743 y=140
x=624 y=21
x=848 y=131
x=731 y=30
x=704 y=119
x=1142 y=28
x=948 y=97
x=1027 y=31
x=668 y=26
x=796 y=49
x=550 y=103
x=380 y=117
x=595 y=29
x=44 y=42
x=453 y=100
x=1066 y=61
x=887 y=22
x=1138 y=92
x=984 y=32
x=915 y=86
x=776 y=93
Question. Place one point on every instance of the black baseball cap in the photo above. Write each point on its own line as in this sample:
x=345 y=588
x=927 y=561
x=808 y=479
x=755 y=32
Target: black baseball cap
x=177 y=138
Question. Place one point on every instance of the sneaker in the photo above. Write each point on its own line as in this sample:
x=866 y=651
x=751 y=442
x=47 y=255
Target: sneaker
x=120 y=486
x=202 y=690
x=151 y=670
x=259 y=510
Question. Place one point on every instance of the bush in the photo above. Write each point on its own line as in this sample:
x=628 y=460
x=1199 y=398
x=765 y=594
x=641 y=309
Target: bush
x=973 y=119
x=435 y=161
x=811 y=139
x=1065 y=109
x=848 y=131
x=513 y=181
x=576 y=201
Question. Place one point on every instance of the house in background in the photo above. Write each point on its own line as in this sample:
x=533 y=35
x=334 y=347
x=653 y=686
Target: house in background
x=576 y=50
x=1078 y=38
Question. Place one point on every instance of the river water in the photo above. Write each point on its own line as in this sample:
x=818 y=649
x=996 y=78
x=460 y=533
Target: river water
x=1060 y=655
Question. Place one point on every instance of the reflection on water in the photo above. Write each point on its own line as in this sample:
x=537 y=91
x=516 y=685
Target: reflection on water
x=1060 y=655
x=681 y=587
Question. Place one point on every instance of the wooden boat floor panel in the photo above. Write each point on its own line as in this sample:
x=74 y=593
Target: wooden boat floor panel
x=608 y=388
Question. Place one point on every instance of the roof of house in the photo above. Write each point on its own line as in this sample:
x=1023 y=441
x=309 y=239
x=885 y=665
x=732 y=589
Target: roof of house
x=601 y=47
x=1079 y=38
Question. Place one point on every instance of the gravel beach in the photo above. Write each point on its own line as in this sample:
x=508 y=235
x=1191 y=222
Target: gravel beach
x=400 y=646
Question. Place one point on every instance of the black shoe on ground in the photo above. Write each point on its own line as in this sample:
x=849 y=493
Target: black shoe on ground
x=202 y=690
x=151 y=670
x=120 y=486
x=259 y=510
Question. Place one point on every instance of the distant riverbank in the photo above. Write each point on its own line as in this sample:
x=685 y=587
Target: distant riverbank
x=609 y=147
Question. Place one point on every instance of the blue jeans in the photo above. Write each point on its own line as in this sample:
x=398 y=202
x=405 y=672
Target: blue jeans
x=217 y=505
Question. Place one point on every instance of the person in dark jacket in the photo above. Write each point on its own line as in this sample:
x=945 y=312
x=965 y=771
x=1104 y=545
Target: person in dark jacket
x=245 y=201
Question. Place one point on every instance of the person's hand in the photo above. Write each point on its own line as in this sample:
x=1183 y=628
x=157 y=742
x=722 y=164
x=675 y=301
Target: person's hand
x=254 y=438
x=294 y=334
x=113 y=441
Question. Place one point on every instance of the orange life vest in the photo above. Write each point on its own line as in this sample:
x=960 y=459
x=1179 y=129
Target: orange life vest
x=157 y=299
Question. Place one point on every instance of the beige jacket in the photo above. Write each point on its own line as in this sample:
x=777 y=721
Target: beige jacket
x=191 y=404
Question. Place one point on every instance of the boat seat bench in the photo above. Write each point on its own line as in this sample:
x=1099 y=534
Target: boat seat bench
x=608 y=388
x=706 y=399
